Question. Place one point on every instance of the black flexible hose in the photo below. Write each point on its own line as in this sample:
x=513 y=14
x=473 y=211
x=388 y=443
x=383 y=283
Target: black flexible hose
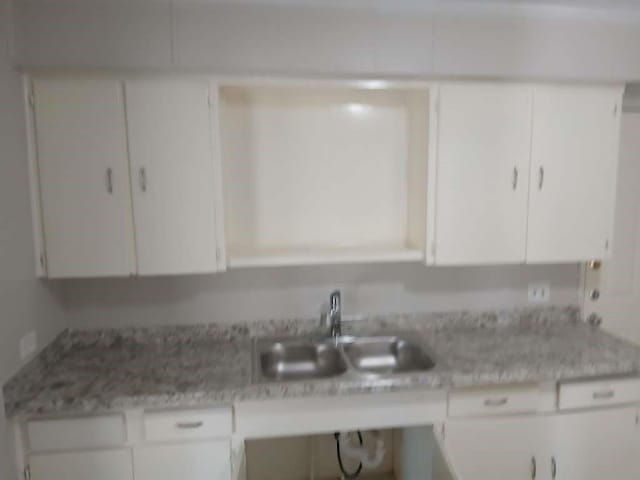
x=359 y=469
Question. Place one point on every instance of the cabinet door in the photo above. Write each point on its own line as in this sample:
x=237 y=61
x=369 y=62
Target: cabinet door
x=483 y=153
x=573 y=173
x=192 y=461
x=170 y=146
x=495 y=448
x=596 y=444
x=90 y=465
x=84 y=177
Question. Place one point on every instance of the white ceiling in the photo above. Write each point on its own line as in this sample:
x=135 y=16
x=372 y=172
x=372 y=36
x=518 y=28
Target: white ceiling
x=598 y=4
x=625 y=9
x=573 y=3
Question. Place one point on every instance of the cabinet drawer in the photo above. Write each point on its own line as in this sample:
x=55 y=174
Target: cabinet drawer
x=187 y=424
x=599 y=393
x=494 y=401
x=73 y=433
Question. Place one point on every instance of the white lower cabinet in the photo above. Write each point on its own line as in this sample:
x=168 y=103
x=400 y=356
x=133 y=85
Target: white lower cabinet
x=495 y=448
x=586 y=445
x=597 y=445
x=593 y=444
x=163 y=445
x=89 y=465
x=188 y=461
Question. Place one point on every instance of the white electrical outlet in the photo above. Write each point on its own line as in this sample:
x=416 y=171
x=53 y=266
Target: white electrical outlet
x=28 y=344
x=539 y=292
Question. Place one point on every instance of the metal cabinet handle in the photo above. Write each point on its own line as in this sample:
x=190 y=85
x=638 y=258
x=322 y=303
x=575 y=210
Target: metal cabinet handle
x=496 y=402
x=515 y=178
x=554 y=468
x=540 y=178
x=189 y=425
x=604 y=395
x=594 y=320
x=142 y=178
x=110 y=180
x=534 y=468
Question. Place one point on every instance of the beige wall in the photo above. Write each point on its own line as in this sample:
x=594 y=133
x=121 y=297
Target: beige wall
x=361 y=37
x=259 y=294
x=26 y=303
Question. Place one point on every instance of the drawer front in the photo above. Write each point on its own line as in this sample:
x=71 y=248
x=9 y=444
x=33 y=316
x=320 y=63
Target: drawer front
x=188 y=424
x=494 y=401
x=599 y=393
x=73 y=433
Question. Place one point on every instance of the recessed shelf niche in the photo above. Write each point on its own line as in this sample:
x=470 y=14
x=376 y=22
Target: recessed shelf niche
x=324 y=173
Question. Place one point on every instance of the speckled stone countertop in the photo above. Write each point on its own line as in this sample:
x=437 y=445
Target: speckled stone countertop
x=115 y=369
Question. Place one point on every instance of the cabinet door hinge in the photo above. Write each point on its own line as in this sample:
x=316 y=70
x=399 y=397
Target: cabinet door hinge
x=27 y=473
x=43 y=260
x=615 y=110
x=443 y=431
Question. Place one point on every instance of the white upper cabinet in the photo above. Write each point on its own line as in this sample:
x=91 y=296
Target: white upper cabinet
x=523 y=173
x=175 y=175
x=95 y=150
x=84 y=179
x=573 y=172
x=172 y=171
x=482 y=169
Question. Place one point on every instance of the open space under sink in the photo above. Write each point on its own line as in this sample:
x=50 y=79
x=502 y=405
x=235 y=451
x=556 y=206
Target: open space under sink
x=392 y=454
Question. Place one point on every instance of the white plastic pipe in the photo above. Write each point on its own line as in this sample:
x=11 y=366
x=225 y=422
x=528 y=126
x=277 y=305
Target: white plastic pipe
x=369 y=459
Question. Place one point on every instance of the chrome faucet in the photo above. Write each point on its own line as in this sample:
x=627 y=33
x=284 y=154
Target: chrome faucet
x=334 y=317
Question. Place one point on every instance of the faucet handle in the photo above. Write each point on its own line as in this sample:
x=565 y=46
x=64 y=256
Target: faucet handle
x=335 y=300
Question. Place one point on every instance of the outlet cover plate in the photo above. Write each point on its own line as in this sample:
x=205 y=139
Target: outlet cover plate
x=539 y=293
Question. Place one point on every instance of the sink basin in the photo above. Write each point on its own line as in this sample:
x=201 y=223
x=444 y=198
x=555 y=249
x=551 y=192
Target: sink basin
x=288 y=359
x=386 y=355
x=299 y=360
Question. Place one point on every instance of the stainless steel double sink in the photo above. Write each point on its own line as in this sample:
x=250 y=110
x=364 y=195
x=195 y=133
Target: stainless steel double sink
x=289 y=359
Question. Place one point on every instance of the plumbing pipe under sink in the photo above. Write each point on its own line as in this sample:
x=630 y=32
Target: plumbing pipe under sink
x=362 y=453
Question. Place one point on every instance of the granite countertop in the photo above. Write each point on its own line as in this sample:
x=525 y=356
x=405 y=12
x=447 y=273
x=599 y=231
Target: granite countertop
x=115 y=369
